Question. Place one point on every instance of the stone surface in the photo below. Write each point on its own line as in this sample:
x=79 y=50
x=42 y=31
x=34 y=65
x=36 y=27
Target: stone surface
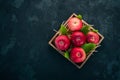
x=26 y=26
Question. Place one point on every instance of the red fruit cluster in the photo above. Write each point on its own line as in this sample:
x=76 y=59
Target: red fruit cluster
x=76 y=40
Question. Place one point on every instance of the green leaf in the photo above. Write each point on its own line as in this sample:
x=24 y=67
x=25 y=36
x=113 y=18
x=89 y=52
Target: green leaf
x=79 y=16
x=88 y=47
x=63 y=29
x=66 y=55
x=85 y=29
x=95 y=30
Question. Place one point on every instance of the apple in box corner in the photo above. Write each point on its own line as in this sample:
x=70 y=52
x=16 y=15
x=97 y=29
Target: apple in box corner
x=75 y=24
x=93 y=37
x=77 y=55
x=62 y=42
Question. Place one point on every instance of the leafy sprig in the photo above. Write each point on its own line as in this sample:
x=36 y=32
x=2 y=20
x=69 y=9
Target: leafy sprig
x=85 y=29
x=95 y=30
x=79 y=16
x=63 y=29
x=66 y=55
x=88 y=47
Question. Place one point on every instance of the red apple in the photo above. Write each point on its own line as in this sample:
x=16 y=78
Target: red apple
x=93 y=37
x=75 y=24
x=78 y=38
x=77 y=55
x=62 y=42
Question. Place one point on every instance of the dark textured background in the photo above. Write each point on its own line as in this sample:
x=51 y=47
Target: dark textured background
x=26 y=26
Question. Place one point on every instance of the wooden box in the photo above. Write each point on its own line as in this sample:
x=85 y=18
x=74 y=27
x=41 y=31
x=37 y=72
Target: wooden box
x=51 y=42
